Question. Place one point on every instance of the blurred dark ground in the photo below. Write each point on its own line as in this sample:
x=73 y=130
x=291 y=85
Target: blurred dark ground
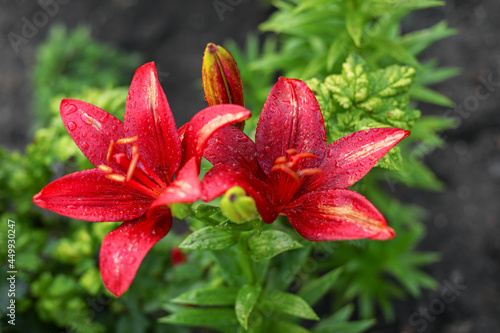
x=462 y=222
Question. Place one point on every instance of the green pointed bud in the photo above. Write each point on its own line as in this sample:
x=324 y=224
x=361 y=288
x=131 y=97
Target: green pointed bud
x=237 y=206
x=180 y=210
x=221 y=78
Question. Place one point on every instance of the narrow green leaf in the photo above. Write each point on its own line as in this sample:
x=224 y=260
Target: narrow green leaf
x=271 y=243
x=347 y=327
x=399 y=52
x=208 y=296
x=229 y=266
x=421 y=93
x=292 y=304
x=220 y=319
x=203 y=210
x=354 y=25
x=208 y=238
x=245 y=301
x=315 y=289
x=286 y=327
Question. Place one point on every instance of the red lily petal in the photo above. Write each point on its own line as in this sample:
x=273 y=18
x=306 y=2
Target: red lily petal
x=222 y=177
x=337 y=215
x=348 y=159
x=186 y=188
x=88 y=195
x=231 y=146
x=291 y=119
x=200 y=129
x=148 y=116
x=124 y=248
x=91 y=128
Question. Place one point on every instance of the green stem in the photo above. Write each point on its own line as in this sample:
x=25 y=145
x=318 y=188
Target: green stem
x=244 y=260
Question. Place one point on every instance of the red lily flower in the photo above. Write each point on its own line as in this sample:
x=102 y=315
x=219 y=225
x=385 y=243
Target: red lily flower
x=136 y=163
x=290 y=170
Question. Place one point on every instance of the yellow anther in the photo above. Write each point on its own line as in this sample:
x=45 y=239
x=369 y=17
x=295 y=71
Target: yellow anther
x=110 y=150
x=123 y=141
x=105 y=168
x=132 y=165
x=116 y=177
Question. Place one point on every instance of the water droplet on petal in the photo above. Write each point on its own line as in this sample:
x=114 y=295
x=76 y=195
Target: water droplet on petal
x=71 y=126
x=84 y=134
x=104 y=118
x=86 y=118
x=70 y=109
x=85 y=145
x=267 y=149
x=131 y=260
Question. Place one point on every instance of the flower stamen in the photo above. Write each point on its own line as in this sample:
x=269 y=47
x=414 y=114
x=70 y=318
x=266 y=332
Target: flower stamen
x=290 y=165
x=124 y=141
x=110 y=151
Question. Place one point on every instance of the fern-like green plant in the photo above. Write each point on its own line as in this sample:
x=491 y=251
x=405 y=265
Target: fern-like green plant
x=316 y=37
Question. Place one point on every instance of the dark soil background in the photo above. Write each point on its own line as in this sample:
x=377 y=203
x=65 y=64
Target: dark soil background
x=463 y=221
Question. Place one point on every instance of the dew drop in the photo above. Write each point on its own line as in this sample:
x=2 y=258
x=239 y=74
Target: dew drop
x=86 y=118
x=84 y=134
x=360 y=139
x=70 y=109
x=267 y=149
x=71 y=126
x=114 y=127
x=85 y=145
x=131 y=260
x=104 y=118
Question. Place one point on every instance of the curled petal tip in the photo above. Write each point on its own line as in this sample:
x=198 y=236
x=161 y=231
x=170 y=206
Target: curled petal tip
x=37 y=200
x=385 y=234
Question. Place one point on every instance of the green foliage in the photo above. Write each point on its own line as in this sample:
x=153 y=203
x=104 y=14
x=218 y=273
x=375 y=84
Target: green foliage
x=69 y=62
x=208 y=239
x=271 y=243
x=365 y=74
x=317 y=36
x=58 y=284
x=359 y=99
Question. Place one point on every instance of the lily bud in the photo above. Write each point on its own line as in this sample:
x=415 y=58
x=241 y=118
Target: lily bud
x=221 y=78
x=237 y=206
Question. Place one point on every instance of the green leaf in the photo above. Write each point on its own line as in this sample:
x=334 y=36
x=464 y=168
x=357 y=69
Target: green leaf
x=421 y=93
x=221 y=319
x=292 y=304
x=271 y=243
x=419 y=40
x=315 y=289
x=354 y=25
x=203 y=210
x=351 y=87
x=208 y=296
x=278 y=326
x=229 y=266
x=245 y=301
x=208 y=238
